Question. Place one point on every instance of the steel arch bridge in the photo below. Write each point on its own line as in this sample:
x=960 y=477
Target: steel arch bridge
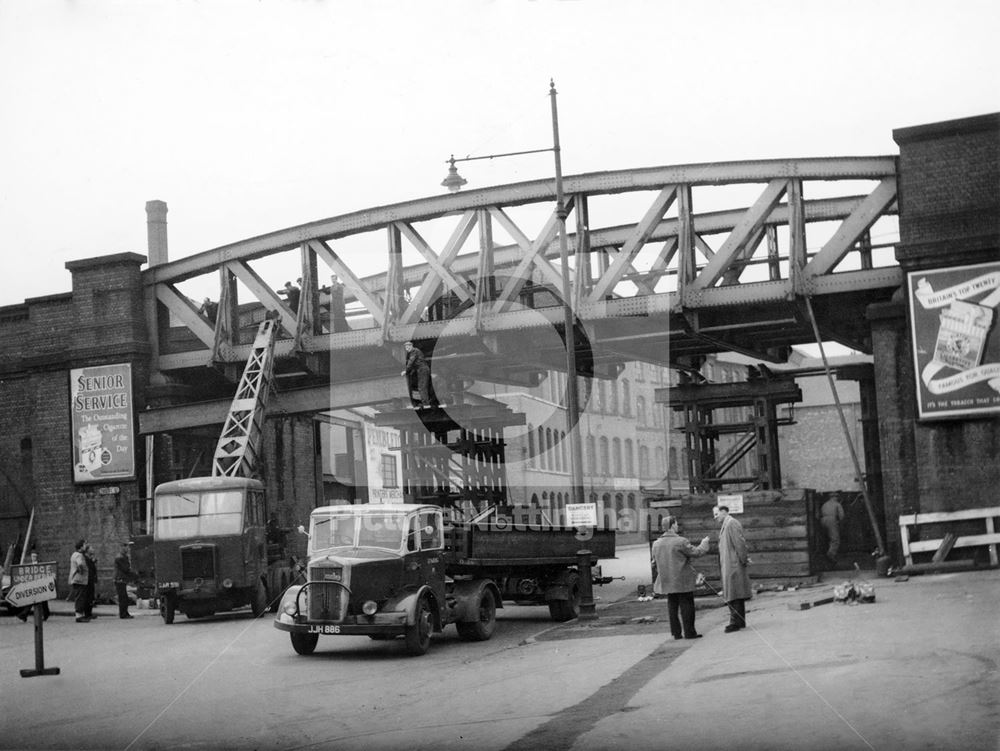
x=667 y=264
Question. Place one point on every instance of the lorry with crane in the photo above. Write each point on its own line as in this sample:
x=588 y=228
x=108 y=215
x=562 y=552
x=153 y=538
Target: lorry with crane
x=210 y=534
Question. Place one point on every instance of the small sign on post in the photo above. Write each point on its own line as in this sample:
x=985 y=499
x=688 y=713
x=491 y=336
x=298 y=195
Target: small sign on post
x=733 y=502
x=32 y=583
x=581 y=514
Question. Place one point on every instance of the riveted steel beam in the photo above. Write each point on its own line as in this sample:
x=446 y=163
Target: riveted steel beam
x=653 y=178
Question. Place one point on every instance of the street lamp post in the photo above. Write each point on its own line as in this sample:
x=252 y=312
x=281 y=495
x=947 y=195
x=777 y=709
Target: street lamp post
x=454 y=182
x=572 y=391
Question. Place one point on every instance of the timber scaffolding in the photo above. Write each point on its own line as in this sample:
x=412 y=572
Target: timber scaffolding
x=758 y=432
x=453 y=455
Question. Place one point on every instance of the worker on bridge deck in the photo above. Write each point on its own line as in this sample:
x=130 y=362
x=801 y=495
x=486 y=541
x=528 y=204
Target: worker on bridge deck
x=418 y=375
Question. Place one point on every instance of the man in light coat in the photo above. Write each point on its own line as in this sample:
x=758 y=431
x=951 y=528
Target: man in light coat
x=675 y=577
x=733 y=562
x=79 y=574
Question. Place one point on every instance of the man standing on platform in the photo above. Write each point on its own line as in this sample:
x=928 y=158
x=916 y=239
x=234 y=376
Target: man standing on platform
x=338 y=309
x=418 y=375
x=733 y=562
x=675 y=577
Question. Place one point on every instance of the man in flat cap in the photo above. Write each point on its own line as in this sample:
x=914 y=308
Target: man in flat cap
x=123 y=575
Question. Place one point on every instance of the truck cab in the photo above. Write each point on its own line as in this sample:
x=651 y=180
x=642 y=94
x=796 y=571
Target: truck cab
x=209 y=546
x=379 y=570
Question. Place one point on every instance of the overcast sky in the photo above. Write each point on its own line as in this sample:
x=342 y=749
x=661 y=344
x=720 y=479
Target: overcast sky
x=248 y=117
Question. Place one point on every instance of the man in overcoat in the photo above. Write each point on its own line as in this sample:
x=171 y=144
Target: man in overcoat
x=675 y=577
x=90 y=557
x=733 y=562
x=123 y=575
x=78 y=575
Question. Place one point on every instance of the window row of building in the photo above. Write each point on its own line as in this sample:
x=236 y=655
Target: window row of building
x=603 y=457
x=613 y=398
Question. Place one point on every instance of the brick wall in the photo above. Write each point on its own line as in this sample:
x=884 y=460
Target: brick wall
x=949 y=182
x=814 y=452
x=949 y=188
x=99 y=322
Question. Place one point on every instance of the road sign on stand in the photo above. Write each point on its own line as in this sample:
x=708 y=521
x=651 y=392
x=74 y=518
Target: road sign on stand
x=32 y=583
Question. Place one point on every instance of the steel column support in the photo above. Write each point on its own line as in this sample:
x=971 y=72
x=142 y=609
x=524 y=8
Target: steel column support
x=797 y=258
x=395 y=302
x=687 y=268
x=773 y=257
x=583 y=279
x=485 y=283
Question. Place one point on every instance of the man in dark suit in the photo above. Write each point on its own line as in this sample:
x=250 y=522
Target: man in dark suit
x=123 y=574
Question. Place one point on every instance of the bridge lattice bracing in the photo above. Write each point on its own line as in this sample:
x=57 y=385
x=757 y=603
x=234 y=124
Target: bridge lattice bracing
x=667 y=264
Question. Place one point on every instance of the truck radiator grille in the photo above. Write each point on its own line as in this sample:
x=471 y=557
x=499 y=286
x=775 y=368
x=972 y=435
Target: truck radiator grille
x=198 y=564
x=327 y=602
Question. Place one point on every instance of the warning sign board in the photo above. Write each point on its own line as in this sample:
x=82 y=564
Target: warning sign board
x=581 y=514
x=31 y=583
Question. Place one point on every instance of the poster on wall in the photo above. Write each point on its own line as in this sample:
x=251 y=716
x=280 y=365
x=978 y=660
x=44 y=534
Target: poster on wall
x=383 y=460
x=956 y=343
x=102 y=423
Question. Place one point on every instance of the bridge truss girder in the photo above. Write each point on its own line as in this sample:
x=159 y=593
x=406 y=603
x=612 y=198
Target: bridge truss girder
x=673 y=283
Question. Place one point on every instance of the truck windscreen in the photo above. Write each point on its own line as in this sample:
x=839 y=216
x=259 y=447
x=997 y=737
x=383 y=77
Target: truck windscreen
x=367 y=530
x=192 y=515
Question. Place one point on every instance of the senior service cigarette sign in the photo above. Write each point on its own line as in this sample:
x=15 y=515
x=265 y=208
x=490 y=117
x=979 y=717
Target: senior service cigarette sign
x=956 y=344
x=103 y=428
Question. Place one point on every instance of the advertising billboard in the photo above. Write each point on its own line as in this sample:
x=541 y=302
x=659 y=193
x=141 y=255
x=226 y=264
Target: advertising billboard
x=956 y=344
x=102 y=421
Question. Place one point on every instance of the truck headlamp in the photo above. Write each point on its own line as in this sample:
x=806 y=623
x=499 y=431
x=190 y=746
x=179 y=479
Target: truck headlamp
x=289 y=608
x=370 y=607
x=227 y=583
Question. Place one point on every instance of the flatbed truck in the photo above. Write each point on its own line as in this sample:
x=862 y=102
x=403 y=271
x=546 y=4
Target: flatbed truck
x=406 y=570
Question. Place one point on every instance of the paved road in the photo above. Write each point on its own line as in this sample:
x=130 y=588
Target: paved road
x=234 y=682
x=916 y=669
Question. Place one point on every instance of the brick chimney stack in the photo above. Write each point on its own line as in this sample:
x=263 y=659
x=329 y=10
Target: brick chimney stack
x=156 y=232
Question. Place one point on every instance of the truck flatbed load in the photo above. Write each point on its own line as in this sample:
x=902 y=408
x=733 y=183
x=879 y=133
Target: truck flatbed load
x=487 y=545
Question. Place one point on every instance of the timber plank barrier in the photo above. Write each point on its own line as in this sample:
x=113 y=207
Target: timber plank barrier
x=965 y=529
x=775 y=524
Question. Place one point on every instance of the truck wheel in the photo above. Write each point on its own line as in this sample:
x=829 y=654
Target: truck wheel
x=418 y=636
x=568 y=609
x=258 y=606
x=482 y=628
x=168 y=606
x=304 y=644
